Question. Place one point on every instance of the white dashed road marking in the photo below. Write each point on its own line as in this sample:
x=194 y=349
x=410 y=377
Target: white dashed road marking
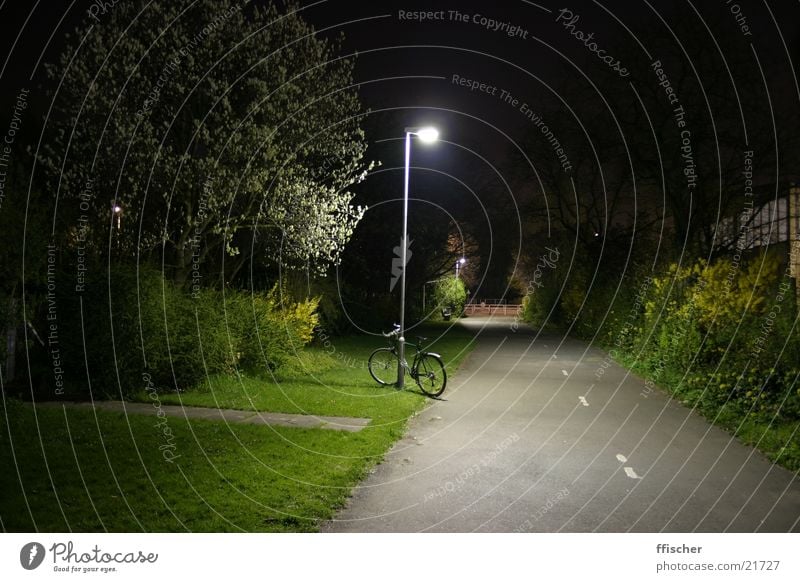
x=628 y=470
x=565 y=372
x=631 y=473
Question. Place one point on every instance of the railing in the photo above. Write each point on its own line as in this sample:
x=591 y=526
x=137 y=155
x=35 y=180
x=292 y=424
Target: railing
x=492 y=309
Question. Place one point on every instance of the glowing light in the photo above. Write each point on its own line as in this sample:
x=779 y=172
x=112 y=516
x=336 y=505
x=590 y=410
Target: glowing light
x=428 y=134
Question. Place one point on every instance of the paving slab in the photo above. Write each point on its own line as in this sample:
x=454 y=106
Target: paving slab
x=342 y=423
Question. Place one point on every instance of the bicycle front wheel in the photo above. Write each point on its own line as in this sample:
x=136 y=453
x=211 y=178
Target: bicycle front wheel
x=383 y=366
x=431 y=376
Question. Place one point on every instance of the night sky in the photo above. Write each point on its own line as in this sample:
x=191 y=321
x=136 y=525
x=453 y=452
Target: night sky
x=408 y=54
x=485 y=73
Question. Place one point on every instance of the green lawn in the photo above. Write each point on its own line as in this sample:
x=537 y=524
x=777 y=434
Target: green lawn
x=331 y=380
x=76 y=470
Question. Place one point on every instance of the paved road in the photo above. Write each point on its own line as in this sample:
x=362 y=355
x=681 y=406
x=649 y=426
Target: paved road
x=531 y=439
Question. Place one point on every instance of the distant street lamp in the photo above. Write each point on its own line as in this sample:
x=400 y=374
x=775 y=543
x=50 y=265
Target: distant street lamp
x=459 y=264
x=116 y=213
x=425 y=135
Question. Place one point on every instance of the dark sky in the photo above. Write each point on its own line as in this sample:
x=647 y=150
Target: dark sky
x=411 y=68
x=410 y=64
x=540 y=58
x=391 y=44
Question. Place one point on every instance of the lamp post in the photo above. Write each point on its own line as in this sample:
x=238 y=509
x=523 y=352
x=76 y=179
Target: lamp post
x=459 y=263
x=116 y=214
x=426 y=135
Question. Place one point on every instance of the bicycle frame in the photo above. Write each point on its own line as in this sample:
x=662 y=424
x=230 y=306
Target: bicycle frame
x=418 y=353
x=426 y=368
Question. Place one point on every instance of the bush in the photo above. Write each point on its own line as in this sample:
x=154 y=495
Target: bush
x=138 y=329
x=726 y=329
x=450 y=293
x=136 y=324
x=198 y=341
x=541 y=307
x=269 y=328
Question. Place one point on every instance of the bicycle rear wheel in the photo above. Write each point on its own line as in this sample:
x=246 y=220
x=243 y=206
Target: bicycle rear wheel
x=431 y=376
x=383 y=366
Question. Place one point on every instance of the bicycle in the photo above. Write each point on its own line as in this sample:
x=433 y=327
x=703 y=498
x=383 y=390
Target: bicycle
x=427 y=368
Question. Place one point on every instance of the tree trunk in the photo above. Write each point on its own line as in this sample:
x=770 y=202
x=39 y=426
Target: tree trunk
x=11 y=341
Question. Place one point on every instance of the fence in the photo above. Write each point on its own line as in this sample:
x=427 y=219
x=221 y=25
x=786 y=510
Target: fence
x=492 y=309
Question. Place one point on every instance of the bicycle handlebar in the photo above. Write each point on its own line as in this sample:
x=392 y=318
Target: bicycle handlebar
x=392 y=333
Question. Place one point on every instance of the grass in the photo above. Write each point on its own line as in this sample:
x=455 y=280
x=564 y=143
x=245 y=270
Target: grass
x=328 y=380
x=75 y=469
x=777 y=437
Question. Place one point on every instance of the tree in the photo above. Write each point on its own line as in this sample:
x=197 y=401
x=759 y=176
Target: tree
x=221 y=132
x=26 y=247
x=713 y=104
x=21 y=219
x=450 y=293
x=667 y=150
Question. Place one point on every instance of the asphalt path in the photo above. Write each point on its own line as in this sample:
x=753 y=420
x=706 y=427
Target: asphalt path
x=540 y=433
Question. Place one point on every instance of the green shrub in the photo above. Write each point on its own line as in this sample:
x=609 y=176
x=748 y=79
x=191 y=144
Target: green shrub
x=541 y=307
x=573 y=296
x=102 y=338
x=137 y=324
x=199 y=342
x=450 y=293
x=722 y=331
x=269 y=328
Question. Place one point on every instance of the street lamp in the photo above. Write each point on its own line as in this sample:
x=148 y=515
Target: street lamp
x=425 y=135
x=116 y=214
x=459 y=263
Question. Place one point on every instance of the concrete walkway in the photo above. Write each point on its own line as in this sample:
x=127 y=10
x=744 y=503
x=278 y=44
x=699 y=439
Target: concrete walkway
x=533 y=437
x=226 y=415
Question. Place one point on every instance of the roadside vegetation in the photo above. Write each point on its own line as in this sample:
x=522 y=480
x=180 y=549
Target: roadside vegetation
x=720 y=337
x=75 y=469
